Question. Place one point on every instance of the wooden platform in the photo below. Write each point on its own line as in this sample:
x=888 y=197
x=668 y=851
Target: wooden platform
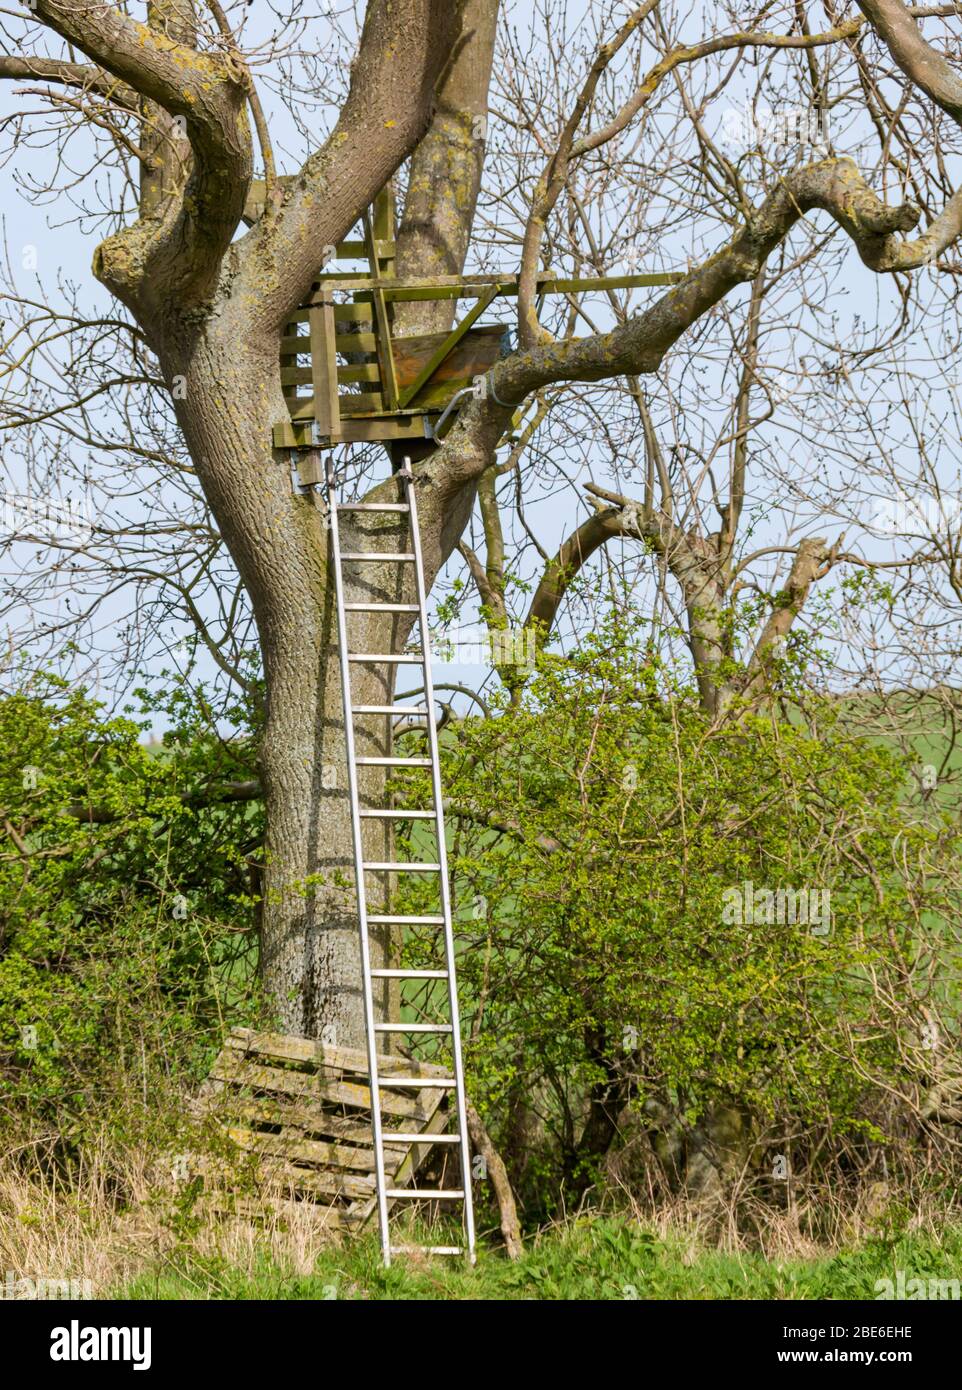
x=299 y=1115
x=349 y=378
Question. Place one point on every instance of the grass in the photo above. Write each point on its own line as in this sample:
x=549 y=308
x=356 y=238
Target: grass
x=121 y=1222
x=596 y=1259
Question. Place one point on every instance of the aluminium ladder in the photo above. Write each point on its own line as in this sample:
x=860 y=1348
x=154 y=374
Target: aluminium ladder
x=374 y=1030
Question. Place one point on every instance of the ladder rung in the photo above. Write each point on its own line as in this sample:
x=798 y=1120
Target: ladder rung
x=418 y=711
x=413 y=1028
x=427 y=1250
x=437 y=1194
x=437 y=1082
x=408 y=974
x=373 y=507
x=391 y=814
x=393 y=762
x=387 y=867
x=377 y=555
x=396 y=1137
x=431 y=921
x=386 y=657
x=381 y=608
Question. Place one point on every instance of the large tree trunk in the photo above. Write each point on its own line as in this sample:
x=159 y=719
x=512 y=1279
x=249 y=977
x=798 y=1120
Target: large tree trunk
x=310 y=958
x=213 y=309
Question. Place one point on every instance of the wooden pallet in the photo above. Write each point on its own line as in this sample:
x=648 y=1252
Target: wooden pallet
x=299 y=1114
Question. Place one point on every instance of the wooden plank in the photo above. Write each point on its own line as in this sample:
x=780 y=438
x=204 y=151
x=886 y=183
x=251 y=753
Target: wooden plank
x=296 y=433
x=382 y=222
x=362 y=311
x=388 y=373
x=258 y=1208
x=306 y=376
x=343 y=342
x=277 y=1173
x=309 y=1120
x=310 y=468
x=470 y=286
x=363 y=431
x=457 y=360
x=310 y=1085
x=356 y=342
x=324 y=370
x=285 y=435
x=349 y=1059
x=447 y=346
x=298 y=1122
x=297 y=376
x=293 y=1146
x=417 y=1153
x=369 y=371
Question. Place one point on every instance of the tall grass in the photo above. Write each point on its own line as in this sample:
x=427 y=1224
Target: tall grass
x=120 y=1225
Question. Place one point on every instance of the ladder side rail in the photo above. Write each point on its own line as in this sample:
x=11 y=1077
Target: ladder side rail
x=409 y=483
x=353 y=796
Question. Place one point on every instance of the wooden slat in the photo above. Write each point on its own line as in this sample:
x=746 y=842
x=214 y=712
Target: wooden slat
x=356 y=342
x=347 y=1185
x=361 y=311
x=297 y=376
x=470 y=286
x=445 y=348
x=324 y=370
x=307 y=1119
x=347 y=375
x=257 y=1208
x=369 y=371
x=382 y=223
x=307 y=1085
x=359 y=424
x=294 y=1147
x=387 y=374
x=343 y=342
x=349 y=1059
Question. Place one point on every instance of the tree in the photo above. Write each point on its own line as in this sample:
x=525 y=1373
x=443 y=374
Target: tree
x=177 y=99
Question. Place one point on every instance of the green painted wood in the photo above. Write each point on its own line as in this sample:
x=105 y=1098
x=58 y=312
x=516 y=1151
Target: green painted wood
x=449 y=344
x=470 y=287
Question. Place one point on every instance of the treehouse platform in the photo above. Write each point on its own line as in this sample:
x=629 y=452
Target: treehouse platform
x=349 y=377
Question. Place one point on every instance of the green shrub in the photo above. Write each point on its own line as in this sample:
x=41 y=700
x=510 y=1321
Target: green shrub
x=611 y=954
x=125 y=905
